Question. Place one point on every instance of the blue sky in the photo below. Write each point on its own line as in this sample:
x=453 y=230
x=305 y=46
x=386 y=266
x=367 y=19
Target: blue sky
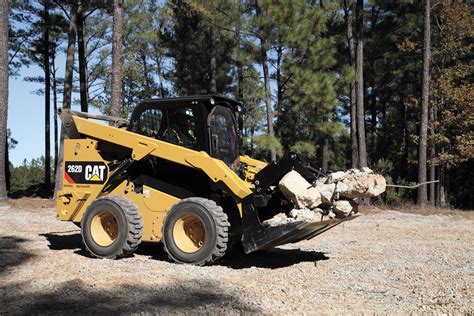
x=26 y=114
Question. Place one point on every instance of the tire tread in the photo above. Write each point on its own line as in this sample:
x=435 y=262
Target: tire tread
x=222 y=230
x=135 y=226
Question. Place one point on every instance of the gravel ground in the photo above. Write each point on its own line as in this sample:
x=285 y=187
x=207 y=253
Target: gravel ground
x=387 y=262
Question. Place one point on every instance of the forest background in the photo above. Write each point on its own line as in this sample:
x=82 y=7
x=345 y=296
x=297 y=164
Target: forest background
x=384 y=84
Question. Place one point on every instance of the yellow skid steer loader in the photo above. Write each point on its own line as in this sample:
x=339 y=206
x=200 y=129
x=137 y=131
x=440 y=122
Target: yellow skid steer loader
x=173 y=174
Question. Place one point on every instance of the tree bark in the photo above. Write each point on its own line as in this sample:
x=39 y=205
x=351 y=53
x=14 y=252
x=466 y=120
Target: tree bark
x=353 y=105
x=55 y=109
x=360 y=84
x=117 y=59
x=67 y=93
x=81 y=52
x=266 y=80
x=4 y=13
x=422 y=149
x=7 y=166
x=47 y=99
x=279 y=79
x=213 y=65
x=71 y=48
x=432 y=156
x=325 y=155
x=442 y=201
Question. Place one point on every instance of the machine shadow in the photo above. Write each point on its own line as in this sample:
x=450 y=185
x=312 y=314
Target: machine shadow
x=63 y=240
x=235 y=259
x=272 y=259
x=188 y=297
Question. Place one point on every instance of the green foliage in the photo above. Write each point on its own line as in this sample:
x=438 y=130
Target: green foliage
x=29 y=174
x=265 y=142
x=452 y=94
x=304 y=148
x=187 y=38
x=393 y=196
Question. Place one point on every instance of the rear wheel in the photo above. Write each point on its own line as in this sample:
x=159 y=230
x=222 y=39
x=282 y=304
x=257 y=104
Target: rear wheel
x=111 y=227
x=196 y=231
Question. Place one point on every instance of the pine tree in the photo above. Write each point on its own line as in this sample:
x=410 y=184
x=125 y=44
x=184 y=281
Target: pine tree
x=67 y=92
x=186 y=40
x=422 y=151
x=360 y=83
x=451 y=98
x=4 y=12
x=117 y=60
x=353 y=100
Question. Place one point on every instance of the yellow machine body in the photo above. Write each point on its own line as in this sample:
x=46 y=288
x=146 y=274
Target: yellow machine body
x=74 y=198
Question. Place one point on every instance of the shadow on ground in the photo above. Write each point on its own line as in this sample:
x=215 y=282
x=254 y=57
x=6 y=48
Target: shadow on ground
x=272 y=259
x=235 y=259
x=77 y=297
x=12 y=253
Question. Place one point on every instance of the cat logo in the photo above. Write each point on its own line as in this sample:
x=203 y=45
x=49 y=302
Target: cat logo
x=84 y=172
x=94 y=173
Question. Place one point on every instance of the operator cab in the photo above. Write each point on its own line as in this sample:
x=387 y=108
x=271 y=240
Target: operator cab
x=203 y=123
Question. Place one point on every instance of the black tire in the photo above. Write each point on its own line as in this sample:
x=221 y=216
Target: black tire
x=120 y=214
x=213 y=221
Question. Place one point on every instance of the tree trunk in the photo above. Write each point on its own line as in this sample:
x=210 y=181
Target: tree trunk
x=117 y=59
x=422 y=149
x=373 y=98
x=325 y=155
x=266 y=80
x=146 y=73
x=81 y=51
x=7 y=166
x=353 y=105
x=55 y=109
x=213 y=65
x=67 y=93
x=162 y=87
x=432 y=156
x=442 y=201
x=47 y=100
x=71 y=47
x=268 y=98
x=278 y=77
x=360 y=84
x=4 y=13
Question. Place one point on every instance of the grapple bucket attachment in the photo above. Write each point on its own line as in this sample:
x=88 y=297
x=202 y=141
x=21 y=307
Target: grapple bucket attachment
x=258 y=237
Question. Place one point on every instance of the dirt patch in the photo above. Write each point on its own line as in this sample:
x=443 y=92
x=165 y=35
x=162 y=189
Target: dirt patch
x=31 y=204
x=383 y=262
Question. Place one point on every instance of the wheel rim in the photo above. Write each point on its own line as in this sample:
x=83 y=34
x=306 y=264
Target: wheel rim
x=189 y=233
x=104 y=228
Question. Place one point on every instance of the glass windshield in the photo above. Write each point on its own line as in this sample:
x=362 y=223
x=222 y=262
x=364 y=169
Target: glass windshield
x=176 y=125
x=224 y=141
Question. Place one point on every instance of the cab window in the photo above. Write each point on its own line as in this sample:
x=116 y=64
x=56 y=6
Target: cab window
x=224 y=139
x=175 y=125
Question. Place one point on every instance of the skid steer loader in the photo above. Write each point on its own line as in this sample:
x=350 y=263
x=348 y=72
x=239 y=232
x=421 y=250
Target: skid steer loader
x=173 y=174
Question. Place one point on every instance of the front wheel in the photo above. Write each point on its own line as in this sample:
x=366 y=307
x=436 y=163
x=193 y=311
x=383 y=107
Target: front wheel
x=196 y=231
x=111 y=227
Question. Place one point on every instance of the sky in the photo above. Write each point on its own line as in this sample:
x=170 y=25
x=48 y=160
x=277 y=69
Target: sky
x=26 y=114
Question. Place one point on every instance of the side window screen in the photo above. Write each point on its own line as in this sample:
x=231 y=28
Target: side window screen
x=150 y=122
x=173 y=125
x=224 y=139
